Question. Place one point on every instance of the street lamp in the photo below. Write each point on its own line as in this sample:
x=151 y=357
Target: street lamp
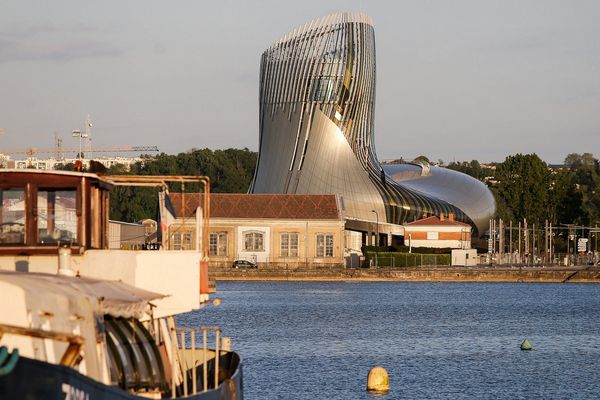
x=376 y=235
x=376 y=226
x=81 y=136
x=87 y=135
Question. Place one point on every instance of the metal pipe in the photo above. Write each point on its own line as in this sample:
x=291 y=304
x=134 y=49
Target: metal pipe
x=194 y=377
x=173 y=363
x=217 y=358
x=183 y=364
x=205 y=361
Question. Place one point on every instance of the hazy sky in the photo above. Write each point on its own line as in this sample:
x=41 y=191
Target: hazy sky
x=456 y=80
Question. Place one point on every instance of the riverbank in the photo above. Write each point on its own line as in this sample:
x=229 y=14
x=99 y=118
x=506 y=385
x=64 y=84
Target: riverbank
x=577 y=274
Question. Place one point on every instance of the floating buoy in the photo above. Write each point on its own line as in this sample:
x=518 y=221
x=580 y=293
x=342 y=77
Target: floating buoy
x=526 y=345
x=378 y=380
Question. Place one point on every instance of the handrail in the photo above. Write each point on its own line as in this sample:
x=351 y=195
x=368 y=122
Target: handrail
x=71 y=353
x=161 y=181
x=179 y=336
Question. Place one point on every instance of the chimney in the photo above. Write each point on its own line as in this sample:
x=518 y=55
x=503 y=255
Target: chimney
x=451 y=217
x=441 y=216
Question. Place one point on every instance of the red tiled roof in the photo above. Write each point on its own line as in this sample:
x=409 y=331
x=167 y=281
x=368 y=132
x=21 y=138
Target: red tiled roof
x=257 y=206
x=433 y=220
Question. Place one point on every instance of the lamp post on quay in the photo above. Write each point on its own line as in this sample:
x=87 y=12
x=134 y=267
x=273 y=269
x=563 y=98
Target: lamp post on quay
x=81 y=136
x=376 y=234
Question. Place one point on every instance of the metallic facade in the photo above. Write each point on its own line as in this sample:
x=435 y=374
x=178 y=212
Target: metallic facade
x=317 y=98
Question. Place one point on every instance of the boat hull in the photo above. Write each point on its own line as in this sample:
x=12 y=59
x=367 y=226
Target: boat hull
x=33 y=379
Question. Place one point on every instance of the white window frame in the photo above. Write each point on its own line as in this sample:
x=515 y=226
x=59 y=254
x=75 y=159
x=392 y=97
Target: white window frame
x=219 y=248
x=433 y=235
x=256 y=245
x=289 y=244
x=324 y=244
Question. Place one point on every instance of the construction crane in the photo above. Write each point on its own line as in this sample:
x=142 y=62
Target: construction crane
x=32 y=151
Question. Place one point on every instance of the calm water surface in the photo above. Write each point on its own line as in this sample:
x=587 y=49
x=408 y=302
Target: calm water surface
x=436 y=340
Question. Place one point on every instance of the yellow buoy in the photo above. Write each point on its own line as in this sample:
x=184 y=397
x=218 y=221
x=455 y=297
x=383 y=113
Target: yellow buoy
x=378 y=380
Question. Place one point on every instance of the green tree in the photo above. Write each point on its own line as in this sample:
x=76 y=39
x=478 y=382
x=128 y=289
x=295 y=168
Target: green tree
x=421 y=160
x=564 y=201
x=522 y=184
x=585 y=171
x=229 y=170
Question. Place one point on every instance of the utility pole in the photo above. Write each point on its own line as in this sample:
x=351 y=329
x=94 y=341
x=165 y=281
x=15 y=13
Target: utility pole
x=526 y=237
x=519 y=247
x=551 y=244
x=501 y=239
x=510 y=244
x=545 y=240
x=84 y=135
x=533 y=246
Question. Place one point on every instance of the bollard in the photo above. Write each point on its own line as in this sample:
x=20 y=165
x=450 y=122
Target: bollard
x=378 y=380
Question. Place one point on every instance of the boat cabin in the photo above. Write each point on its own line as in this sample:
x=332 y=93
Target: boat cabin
x=42 y=209
x=44 y=212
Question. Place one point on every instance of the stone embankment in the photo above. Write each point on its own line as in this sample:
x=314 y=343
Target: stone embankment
x=578 y=274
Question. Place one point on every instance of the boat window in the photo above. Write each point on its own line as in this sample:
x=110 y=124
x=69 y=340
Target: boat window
x=57 y=216
x=12 y=216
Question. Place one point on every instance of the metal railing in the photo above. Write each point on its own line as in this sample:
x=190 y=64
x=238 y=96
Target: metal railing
x=557 y=259
x=401 y=260
x=181 y=338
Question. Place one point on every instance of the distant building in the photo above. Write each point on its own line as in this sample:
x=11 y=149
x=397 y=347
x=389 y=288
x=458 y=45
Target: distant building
x=316 y=121
x=438 y=232
x=52 y=163
x=265 y=228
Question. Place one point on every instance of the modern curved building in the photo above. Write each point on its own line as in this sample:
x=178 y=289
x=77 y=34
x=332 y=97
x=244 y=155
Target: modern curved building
x=317 y=103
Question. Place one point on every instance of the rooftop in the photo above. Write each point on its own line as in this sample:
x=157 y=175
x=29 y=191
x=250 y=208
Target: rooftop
x=435 y=220
x=262 y=206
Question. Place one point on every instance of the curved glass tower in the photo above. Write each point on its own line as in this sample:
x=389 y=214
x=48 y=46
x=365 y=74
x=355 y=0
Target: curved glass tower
x=317 y=98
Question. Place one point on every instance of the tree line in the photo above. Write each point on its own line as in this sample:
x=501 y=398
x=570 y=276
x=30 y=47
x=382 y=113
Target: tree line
x=230 y=171
x=526 y=187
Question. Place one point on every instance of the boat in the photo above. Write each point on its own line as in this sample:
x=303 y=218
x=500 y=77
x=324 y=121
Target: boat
x=80 y=320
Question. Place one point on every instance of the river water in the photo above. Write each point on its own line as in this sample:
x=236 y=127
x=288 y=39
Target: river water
x=313 y=340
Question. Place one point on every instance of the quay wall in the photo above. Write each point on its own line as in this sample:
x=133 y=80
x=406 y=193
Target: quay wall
x=418 y=274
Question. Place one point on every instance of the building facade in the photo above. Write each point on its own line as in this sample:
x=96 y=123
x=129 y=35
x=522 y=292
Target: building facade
x=438 y=232
x=316 y=118
x=280 y=230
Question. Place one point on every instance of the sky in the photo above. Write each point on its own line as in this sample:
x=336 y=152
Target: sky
x=456 y=80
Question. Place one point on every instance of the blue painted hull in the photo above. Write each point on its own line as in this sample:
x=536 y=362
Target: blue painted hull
x=33 y=379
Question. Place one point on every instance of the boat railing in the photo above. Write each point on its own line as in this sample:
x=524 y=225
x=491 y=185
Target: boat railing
x=71 y=354
x=190 y=355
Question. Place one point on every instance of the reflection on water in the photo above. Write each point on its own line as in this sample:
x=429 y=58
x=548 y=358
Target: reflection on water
x=307 y=340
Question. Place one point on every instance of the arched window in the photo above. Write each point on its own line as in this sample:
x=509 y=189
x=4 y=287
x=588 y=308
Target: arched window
x=253 y=241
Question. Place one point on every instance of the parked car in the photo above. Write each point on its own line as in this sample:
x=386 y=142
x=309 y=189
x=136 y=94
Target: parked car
x=244 y=264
